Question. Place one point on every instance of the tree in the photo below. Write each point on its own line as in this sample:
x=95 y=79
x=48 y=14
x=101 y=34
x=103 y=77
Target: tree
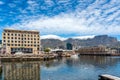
x=47 y=50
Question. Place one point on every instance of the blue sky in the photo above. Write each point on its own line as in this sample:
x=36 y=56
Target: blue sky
x=63 y=18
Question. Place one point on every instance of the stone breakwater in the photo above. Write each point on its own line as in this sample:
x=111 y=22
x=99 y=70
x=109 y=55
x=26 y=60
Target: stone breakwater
x=31 y=57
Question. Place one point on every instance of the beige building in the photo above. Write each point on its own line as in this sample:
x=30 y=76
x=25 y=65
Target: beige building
x=21 y=41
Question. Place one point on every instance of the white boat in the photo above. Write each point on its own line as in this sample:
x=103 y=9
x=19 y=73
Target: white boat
x=75 y=56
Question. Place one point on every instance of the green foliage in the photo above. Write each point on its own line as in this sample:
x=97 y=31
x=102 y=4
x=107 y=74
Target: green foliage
x=47 y=50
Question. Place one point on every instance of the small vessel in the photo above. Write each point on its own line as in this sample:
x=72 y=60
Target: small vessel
x=75 y=56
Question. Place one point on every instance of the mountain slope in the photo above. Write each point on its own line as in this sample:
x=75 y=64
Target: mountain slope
x=97 y=40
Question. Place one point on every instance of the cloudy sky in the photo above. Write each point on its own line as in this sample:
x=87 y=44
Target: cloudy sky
x=62 y=18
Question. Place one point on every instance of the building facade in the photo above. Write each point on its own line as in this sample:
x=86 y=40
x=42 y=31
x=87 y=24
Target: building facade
x=21 y=41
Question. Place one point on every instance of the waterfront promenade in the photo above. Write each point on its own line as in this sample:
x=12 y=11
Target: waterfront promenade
x=30 y=57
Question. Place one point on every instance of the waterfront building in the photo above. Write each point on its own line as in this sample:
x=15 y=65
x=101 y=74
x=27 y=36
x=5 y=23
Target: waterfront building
x=69 y=46
x=21 y=41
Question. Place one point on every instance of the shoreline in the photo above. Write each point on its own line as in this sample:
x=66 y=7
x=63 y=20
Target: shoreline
x=46 y=57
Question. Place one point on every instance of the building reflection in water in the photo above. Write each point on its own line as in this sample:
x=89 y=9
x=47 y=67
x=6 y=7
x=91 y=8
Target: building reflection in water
x=21 y=71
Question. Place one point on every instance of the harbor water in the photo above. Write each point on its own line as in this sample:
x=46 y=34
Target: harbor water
x=78 y=68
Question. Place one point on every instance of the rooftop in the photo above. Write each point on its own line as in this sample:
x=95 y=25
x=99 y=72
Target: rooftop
x=11 y=29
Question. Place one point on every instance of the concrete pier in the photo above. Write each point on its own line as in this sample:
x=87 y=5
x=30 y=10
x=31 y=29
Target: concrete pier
x=28 y=57
x=108 y=77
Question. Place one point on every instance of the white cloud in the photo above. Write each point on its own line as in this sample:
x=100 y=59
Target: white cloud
x=1 y=2
x=53 y=37
x=93 y=20
x=84 y=37
x=63 y=38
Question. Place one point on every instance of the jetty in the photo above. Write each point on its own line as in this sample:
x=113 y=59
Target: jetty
x=108 y=77
x=30 y=57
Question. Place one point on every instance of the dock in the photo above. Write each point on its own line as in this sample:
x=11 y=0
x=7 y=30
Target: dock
x=108 y=77
x=29 y=57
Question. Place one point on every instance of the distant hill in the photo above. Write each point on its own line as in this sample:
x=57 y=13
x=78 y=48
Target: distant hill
x=97 y=40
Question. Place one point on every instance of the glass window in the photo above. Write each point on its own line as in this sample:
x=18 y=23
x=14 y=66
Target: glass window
x=8 y=44
x=8 y=41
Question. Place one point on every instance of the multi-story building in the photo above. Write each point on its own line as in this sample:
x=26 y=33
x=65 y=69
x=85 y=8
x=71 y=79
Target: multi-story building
x=21 y=41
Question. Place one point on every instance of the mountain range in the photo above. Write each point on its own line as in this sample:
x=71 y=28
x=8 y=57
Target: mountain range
x=104 y=40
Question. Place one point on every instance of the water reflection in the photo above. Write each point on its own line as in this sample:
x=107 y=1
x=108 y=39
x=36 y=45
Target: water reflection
x=82 y=68
x=21 y=71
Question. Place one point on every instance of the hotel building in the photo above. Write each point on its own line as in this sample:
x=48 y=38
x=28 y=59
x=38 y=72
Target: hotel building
x=21 y=41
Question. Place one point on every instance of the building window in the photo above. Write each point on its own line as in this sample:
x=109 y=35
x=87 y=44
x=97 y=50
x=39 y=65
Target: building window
x=4 y=37
x=8 y=41
x=4 y=33
x=4 y=40
x=15 y=34
x=8 y=34
x=8 y=37
x=11 y=34
x=38 y=49
x=8 y=44
x=15 y=44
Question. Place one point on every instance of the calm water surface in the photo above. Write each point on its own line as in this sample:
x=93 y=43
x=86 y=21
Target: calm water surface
x=82 y=68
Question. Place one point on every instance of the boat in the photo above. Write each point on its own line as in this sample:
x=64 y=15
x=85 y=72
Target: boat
x=75 y=56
